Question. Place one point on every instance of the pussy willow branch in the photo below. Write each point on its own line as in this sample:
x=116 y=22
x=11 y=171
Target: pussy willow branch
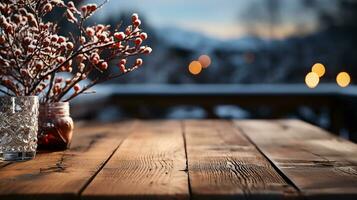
x=50 y=87
x=98 y=80
x=17 y=64
x=94 y=82
x=78 y=52
x=36 y=51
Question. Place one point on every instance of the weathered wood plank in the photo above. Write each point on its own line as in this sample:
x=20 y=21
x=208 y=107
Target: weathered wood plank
x=4 y=163
x=322 y=166
x=150 y=164
x=223 y=164
x=62 y=175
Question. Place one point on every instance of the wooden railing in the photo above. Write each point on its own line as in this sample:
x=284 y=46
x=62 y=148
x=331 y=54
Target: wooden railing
x=283 y=100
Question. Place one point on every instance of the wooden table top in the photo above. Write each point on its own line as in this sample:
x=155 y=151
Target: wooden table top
x=189 y=159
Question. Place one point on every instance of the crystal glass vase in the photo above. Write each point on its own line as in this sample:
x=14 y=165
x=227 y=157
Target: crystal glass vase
x=55 y=126
x=18 y=127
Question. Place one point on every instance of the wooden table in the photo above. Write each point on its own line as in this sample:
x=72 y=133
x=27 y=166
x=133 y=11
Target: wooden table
x=189 y=160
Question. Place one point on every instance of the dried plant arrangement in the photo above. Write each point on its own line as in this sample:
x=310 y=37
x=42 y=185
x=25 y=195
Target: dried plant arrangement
x=34 y=55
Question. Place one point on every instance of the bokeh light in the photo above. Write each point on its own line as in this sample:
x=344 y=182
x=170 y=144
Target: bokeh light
x=195 y=67
x=205 y=60
x=319 y=69
x=343 y=79
x=312 y=80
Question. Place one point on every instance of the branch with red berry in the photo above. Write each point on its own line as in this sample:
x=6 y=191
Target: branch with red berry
x=33 y=55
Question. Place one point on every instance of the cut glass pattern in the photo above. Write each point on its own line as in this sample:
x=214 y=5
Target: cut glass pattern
x=18 y=127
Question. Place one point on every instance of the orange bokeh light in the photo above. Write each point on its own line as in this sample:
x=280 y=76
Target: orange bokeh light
x=319 y=69
x=205 y=60
x=195 y=67
x=343 y=79
x=312 y=79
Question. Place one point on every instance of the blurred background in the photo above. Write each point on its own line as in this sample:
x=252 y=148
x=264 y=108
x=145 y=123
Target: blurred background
x=257 y=54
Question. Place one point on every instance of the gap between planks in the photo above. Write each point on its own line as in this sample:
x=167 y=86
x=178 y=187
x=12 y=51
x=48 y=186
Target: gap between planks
x=62 y=175
x=222 y=164
x=182 y=124
x=321 y=165
x=286 y=178
x=100 y=168
x=150 y=164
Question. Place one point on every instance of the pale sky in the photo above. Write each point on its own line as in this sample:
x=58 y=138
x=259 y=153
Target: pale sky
x=216 y=18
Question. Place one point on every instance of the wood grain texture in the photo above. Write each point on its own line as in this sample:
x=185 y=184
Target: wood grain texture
x=223 y=164
x=62 y=175
x=4 y=163
x=320 y=165
x=147 y=160
x=150 y=164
